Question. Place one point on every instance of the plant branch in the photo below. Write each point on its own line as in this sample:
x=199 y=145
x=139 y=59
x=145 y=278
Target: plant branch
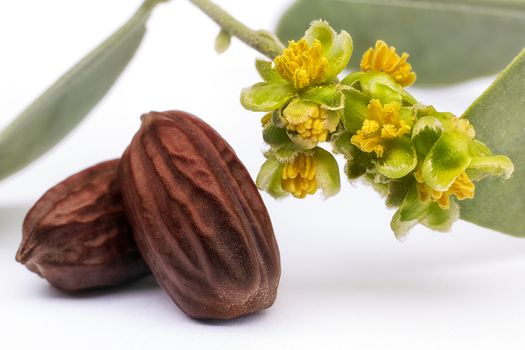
x=261 y=41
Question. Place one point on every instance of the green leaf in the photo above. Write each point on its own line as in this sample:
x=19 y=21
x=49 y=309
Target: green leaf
x=63 y=105
x=448 y=40
x=498 y=116
x=222 y=41
x=266 y=96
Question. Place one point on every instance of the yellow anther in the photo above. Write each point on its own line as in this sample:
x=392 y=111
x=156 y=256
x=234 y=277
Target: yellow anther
x=302 y=64
x=382 y=124
x=383 y=58
x=299 y=176
x=308 y=120
x=462 y=188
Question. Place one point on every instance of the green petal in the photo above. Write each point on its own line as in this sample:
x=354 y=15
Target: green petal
x=267 y=71
x=425 y=133
x=356 y=109
x=266 y=96
x=398 y=161
x=328 y=96
x=336 y=48
x=269 y=178
x=447 y=159
x=481 y=167
x=326 y=172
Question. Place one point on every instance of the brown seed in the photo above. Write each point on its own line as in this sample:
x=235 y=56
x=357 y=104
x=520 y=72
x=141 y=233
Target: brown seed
x=77 y=236
x=198 y=218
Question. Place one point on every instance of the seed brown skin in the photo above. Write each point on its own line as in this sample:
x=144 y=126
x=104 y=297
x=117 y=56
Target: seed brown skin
x=77 y=236
x=198 y=218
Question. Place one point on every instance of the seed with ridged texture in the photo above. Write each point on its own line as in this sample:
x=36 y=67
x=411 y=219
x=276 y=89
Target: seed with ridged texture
x=77 y=236
x=198 y=218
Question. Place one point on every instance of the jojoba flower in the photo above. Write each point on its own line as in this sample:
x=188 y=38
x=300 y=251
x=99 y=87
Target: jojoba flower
x=383 y=58
x=383 y=124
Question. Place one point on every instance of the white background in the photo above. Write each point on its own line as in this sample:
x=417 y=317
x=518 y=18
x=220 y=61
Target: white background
x=346 y=282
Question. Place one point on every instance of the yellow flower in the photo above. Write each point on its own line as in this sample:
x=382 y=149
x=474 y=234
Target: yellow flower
x=462 y=188
x=308 y=119
x=383 y=58
x=298 y=177
x=302 y=64
x=381 y=125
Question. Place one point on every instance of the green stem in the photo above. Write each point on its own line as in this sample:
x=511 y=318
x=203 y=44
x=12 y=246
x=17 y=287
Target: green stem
x=261 y=41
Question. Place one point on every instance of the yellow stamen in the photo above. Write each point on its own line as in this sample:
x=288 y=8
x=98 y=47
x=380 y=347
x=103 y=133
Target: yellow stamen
x=309 y=121
x=298 y=176
x=462 y=188
x=382 y=124
x=302 y=64
x=383 y=58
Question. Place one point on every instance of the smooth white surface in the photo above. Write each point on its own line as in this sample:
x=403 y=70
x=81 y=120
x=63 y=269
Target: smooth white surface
x=346 y=282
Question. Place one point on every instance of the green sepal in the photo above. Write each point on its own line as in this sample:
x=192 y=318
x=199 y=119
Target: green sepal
x=399 y=160
x=274 y=135
x=356 y=109
x=327 y=96
x=267 y=71
x=298 y=111
x=481 y=167
x=337 y=48
x=326 y=172
x=381 y=86
x=332 y=119
x=425 y=133
x=269 y=178
x=266 y=96
x=398 y=190
x=439 y=219
x=341 y=144
x=378 y=182
x=287 y=152
x=353 y=79
x=447 y=159
x=408 y=214
x=299 y=141
x=479 y=149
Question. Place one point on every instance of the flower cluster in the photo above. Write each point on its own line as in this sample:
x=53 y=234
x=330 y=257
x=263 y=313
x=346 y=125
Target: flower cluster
x=422 y=160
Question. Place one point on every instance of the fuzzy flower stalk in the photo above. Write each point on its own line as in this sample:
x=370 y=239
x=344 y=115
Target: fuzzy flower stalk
x=422 y=160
